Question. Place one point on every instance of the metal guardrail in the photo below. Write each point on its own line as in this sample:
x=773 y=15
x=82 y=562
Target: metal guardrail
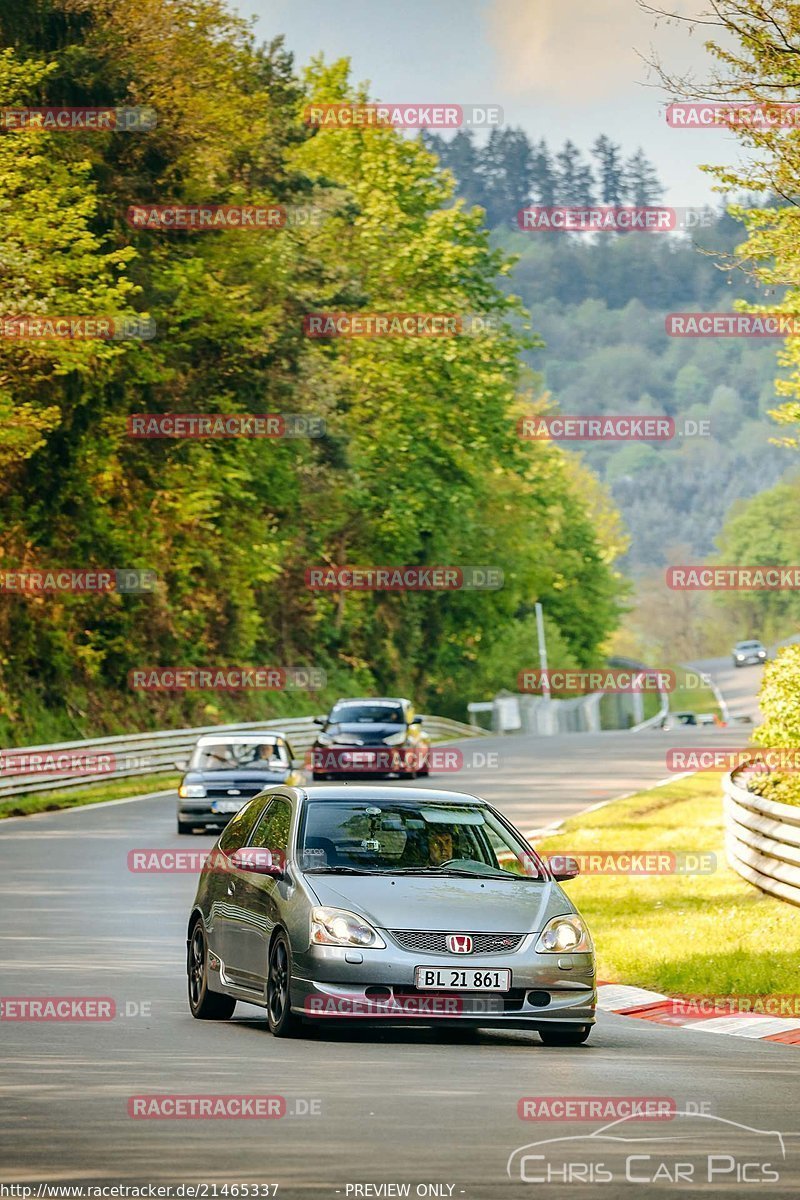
x=138 y=754
x=762 y=840
x=543 y=716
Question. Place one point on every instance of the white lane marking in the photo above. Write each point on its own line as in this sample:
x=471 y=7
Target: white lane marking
x=749 y=1027
x=612 y=997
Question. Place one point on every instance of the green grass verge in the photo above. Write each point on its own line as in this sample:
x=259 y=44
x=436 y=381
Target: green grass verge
x=701 y=934
x=33 y=802
x=692 y=699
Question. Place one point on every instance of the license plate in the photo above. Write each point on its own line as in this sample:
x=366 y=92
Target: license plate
x=226 y=806
x=462 y=979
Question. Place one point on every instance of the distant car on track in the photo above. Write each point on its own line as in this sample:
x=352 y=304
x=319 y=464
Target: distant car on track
x=375 y=737
x=228 y=769
x=673 y=720
x=387 y=905
x=751 y=653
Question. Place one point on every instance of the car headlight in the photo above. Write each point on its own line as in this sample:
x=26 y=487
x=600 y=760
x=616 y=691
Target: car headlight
x=563 y=935
x=191 y=791
x=395 y=739
x=324 y=739
x=338 y=927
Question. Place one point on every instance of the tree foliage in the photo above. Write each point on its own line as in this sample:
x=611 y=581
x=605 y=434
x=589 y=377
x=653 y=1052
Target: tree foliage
x=420 y=464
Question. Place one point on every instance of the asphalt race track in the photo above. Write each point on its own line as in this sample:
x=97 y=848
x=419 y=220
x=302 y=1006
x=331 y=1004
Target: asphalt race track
x=386 y=1107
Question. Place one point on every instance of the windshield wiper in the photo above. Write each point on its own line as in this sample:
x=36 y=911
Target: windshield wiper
x=337 y=871
x=461 y=871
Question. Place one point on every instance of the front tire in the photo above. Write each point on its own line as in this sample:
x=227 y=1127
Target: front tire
x=280 y=1018
x=185 y=826
x=204 y=1004
x=565 y=1035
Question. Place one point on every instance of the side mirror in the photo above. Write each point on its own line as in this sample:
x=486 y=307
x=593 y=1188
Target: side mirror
x=182 y=764
x=319 y=720
x=258 y=861
x=417 y=721
x=563 y=867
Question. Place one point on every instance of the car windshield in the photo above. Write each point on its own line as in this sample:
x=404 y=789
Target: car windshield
x=367 y=714
x=749 y=646
x=403 y=837
x=232 y=756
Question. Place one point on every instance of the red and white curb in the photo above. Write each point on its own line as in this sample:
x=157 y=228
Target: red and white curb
x=653 y=1006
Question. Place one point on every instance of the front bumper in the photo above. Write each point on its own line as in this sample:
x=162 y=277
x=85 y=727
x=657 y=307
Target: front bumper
x=380 y=988
x=199 y=812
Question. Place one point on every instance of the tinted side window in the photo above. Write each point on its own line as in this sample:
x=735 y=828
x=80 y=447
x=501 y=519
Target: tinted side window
x=272 y=832
x=237 y=831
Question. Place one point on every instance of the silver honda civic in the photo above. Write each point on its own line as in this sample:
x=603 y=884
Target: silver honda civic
x=387 y=905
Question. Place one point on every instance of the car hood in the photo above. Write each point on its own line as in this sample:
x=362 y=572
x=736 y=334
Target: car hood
x=246 y=776
x=448 y=904
x=365 y=733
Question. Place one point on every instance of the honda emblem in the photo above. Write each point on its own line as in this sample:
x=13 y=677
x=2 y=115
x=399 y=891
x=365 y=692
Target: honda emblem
x=459 y=943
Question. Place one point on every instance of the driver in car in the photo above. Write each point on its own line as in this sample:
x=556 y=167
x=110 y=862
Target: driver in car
x=440 y=847
x=264 y=752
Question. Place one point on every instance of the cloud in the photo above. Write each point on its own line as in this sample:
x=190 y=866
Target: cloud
x=576 y=50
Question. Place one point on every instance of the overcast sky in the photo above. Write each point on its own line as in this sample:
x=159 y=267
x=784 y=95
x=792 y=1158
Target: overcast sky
x=559 y=68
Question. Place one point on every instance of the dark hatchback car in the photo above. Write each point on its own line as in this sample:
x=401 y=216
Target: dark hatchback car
x=375 y=737
x=388 y=905
x=228 y=769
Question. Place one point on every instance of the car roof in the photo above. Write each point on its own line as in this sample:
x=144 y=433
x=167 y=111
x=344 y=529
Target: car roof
x=749 y=642
x=372 y=700
x=222 y=739
x=363 y=791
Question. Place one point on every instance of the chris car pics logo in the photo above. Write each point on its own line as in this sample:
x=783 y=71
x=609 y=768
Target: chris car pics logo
x=699 y=1151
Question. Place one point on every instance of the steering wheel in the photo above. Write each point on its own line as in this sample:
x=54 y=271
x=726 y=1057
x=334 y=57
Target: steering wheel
x=449 y=862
